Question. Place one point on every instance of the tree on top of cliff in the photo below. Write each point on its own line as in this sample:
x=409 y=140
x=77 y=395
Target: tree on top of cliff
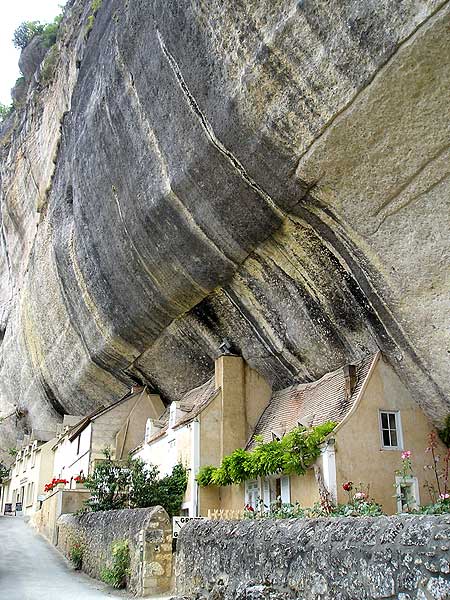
x=26 y=32
x=30 y=29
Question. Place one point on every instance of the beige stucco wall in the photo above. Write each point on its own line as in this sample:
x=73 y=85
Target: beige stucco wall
x=57 y=503
x=131 y=433
x=258 y=393
x=359 y=456
x=230 y=377
x=106 y=426
x=37 y=472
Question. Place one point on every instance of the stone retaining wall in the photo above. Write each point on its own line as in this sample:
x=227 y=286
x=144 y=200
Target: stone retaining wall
x=57 y=503
x=148 y=532
x=401 y=557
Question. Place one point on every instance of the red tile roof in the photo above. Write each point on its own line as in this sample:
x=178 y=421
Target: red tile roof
x=310 y=403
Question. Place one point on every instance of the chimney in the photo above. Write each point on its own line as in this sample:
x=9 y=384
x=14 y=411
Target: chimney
x=230 y=378
x=350 y=380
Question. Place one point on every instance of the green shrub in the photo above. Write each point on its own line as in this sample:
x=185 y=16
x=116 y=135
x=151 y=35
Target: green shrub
x=95 y=7
x=76 y=554
x=116 y=573
x=30 y=29
x=204 y=476
x=134 y=484
x=49 y=66
x=5 y=111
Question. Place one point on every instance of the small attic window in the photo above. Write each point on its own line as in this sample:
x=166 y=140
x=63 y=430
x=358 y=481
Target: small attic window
x=391 y=430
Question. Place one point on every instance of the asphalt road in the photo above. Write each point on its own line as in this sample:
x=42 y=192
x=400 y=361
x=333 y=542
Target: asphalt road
x=31 y=569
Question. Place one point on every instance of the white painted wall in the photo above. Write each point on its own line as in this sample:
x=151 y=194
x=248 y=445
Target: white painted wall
x=72 y=457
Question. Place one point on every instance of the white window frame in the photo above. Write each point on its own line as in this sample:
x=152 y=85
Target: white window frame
x=255 y=488
x=398 y=427
x=414 y=483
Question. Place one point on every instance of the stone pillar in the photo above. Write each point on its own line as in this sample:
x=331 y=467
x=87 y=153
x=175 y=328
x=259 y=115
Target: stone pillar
x=156 y=547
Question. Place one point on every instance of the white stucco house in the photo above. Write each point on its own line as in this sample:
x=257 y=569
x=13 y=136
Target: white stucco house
x=118 y=427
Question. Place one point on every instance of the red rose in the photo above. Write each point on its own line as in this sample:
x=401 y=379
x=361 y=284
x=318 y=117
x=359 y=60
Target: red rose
x=347 y=486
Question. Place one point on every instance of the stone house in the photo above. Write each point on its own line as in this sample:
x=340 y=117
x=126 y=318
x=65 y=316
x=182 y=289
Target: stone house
x=206 y=424
x=377 y=418
x=31 y=470
x=119 y=427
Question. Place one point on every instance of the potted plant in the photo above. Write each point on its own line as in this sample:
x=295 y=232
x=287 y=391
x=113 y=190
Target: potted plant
x=79 y=482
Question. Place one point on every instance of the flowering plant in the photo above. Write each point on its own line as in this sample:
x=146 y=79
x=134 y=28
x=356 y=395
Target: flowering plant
x=53 y=483
x=440 y=490
x=79 y=479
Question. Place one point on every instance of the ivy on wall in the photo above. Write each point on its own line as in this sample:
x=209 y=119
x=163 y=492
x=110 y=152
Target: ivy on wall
x=292 y=454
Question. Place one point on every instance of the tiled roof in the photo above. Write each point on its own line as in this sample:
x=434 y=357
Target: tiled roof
x=310 y=403
x=190 y=405
x=195 y=401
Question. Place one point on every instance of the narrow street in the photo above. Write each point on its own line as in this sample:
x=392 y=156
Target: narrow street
x=31 y=569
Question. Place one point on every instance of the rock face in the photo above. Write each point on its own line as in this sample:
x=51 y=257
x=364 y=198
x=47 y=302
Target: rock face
x=31 y=57
x=403 y=557
x=271 y=173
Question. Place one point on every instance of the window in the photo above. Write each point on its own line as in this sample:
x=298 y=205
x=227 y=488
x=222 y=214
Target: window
x=78 y=443
x=33 y=458
x=276 y=490
x=407 y=491
x=391 y=431
x=252 y=494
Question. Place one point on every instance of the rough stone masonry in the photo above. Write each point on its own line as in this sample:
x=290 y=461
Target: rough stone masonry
x=401 y=558
x=149 y=535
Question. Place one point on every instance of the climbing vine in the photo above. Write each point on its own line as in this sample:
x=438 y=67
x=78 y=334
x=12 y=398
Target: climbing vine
x=292 y=454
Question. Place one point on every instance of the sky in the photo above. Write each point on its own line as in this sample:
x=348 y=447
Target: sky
x=13 y=13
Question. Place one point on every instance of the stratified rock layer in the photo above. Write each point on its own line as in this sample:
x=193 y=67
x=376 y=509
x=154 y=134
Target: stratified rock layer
x=271 y=173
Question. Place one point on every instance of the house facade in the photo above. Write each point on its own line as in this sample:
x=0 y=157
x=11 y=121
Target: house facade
x=377 y=419
x=30 y=472
x=119 y=427
x=205 y=425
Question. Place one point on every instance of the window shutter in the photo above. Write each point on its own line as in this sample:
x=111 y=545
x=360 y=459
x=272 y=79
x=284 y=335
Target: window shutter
x=285 y=490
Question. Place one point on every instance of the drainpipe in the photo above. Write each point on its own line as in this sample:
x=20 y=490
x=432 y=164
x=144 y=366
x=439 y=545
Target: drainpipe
x=195 y=466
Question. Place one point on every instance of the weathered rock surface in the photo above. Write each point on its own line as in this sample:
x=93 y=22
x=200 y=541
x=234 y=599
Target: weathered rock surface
x=31 y=57
x=405 y=557
x=271 y=173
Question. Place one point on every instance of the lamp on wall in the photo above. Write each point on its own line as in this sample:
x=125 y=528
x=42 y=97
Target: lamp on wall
x=225 y=347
